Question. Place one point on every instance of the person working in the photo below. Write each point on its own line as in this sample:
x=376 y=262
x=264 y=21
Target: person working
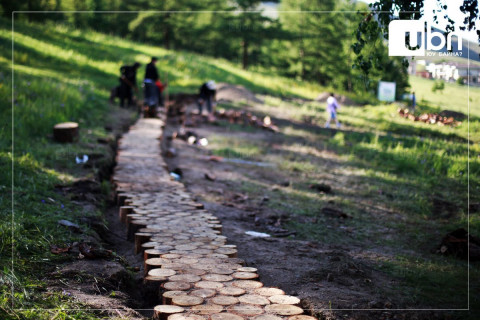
x=151 y=94
x=128 y=81
x=207 y=94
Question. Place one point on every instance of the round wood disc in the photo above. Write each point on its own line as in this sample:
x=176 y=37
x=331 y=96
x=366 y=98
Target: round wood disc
x=284 y=299
x=247 y=269
x=187 y=260
x=207 y=309
x=208 y=285
x=185 y=247
x=269 y=291
x=161 y=272
x=152 y=278
x=171 y=256
x=224 y=300
x=227 y=251
x=156 y=261
x=301 y=317
x=153 y=252
x=222 y=270
x=254 y=299
x=171 y=294
x=186 y=316
x=165 y=308
x=186 y=301
x=196 y=272
x=231 y=291
x=247 y=284
x=270 y=317
x=203 y=293
x=248 y=310
x=176 y=286
x=225 y=316
x=217 y=277
x=245 y=275
x=283 y=309
x=185 y=277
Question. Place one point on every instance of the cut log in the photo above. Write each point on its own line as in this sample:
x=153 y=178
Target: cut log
x=225 y=316
x=247 y=284
x=168 y=295
x=186 y=316
x=161 y=272
x=141 y=238
x=300 y=317
x=231 y=253
x=231 y=291
x=208 y=285
x=254 y=299
x=65 y=132
x=153 y=263
x=134 y=226
x=185 y=277
x=247 y=269
x=248 y=310
x=207 y=309
x=151 y=253
x=283 y=309
x=203 y=293
x=186 y=301
x=245 y=275
x=123 y=211
x=272 y=317
x=162 y=312
x=176 y=286
x=268 y=292
x=224 y=300
x=217 y=277
x=284 y=299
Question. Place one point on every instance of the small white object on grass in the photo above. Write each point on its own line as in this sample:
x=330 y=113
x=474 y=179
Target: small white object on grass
x=257 y=234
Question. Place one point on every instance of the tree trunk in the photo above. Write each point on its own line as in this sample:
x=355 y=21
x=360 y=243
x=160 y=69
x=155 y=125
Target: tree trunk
x=245 y=54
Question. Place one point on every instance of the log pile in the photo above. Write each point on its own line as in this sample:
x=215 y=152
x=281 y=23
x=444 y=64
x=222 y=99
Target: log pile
x=430 y=118
x=246 y=118
x=187 y=261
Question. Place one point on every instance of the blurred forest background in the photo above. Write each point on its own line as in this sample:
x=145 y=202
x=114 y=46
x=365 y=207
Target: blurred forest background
x=314 y=47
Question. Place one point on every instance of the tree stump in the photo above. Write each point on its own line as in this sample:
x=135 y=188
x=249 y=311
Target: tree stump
x=65 y=132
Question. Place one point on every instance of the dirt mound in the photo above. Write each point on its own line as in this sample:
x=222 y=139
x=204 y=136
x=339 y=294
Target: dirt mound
x=234 y=93
x=322 y=97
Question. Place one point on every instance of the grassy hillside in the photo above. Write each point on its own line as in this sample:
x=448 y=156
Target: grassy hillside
x=65 y=75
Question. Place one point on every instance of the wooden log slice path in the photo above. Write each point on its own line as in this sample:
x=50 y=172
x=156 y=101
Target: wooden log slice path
x=186 y=258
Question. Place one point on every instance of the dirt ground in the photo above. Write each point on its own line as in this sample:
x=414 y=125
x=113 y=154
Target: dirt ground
x=329 y=279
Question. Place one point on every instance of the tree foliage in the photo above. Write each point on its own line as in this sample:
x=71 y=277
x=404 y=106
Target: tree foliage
x=323 y=41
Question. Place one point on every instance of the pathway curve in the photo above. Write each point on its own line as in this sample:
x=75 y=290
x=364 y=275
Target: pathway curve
x=187 y=260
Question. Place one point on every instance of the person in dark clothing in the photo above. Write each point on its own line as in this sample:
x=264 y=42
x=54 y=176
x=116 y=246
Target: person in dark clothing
x=128 y=81
x=207 y=95
x=152 y=94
